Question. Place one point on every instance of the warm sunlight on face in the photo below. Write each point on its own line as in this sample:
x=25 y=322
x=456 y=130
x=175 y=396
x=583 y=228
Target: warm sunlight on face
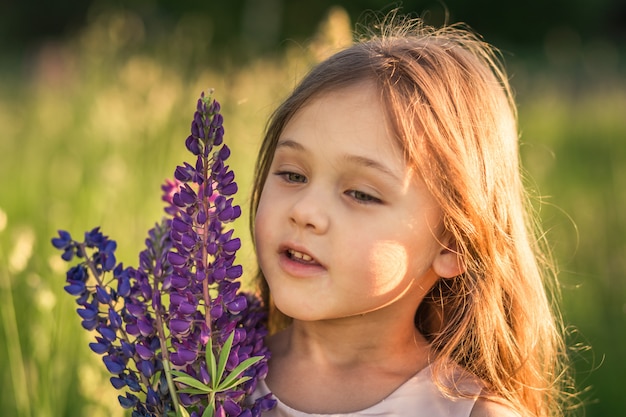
x=388 y=259
x=344 y=227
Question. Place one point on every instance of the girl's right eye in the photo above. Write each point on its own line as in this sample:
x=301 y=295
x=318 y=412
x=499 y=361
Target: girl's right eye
x=292 y=177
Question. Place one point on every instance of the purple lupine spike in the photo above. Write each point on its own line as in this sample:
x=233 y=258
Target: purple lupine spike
x=185 y=295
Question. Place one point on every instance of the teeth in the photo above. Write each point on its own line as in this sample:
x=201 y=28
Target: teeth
x=299 y=255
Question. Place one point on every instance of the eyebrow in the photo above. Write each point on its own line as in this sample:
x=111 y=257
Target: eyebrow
x=291 y=144
x=354 y=159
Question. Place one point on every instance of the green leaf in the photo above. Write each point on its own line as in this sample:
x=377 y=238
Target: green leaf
x=190 y=381
x=182 y=411
x=233 y=384
x=238 y=370
x=192 y=391
x=224 y=354
x=210 y=362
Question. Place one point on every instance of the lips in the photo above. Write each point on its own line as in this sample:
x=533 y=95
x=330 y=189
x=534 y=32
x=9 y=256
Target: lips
x=299 y=258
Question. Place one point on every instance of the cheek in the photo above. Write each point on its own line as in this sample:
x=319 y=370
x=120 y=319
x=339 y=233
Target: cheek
x=395 y=266
x=388 y=265
x=262 y=225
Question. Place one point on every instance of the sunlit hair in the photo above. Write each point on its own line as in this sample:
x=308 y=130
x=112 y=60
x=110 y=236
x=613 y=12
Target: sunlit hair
x=448 y=102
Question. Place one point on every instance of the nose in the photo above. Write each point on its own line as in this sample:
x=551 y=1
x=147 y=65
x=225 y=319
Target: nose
x=310 y=211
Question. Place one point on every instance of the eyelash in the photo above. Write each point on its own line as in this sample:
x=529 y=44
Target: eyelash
x=288 y=176
x=363 y=198
x=359 y=196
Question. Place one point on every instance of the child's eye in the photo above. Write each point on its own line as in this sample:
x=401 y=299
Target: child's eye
x=363 y=198
x=291 y=176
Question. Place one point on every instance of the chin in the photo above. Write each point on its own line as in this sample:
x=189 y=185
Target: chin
x=295 y=312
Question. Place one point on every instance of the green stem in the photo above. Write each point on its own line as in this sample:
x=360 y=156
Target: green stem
x=166 y=360
x=211 y=404
x=170 y=383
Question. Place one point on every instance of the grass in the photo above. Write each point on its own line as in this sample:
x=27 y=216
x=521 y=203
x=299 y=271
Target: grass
x=577 y=155
x=94 y=125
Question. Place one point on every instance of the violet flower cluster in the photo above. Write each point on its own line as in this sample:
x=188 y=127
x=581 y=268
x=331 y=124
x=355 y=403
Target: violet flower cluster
x=177 y=333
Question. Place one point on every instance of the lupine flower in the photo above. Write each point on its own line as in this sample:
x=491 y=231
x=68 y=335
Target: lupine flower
x=202 y=352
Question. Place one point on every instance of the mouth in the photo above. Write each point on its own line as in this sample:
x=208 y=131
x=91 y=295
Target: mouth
x=299 y=256
x=298 y=263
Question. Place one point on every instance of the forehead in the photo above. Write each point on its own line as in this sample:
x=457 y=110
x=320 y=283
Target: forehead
x=355 y=110
x=346 y=125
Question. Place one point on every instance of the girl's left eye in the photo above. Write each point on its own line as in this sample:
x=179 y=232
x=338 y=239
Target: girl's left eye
x=363 y=198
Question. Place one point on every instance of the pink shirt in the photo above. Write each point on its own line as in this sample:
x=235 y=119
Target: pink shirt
x=419 y=396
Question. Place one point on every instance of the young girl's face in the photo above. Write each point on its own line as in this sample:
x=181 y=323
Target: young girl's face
x=344 y=227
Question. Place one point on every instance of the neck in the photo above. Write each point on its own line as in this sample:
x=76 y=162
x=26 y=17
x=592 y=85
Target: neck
x=355 y=342
x=343 y=365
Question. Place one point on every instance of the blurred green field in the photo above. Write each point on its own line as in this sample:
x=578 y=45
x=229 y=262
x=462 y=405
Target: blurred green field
x=90 y=129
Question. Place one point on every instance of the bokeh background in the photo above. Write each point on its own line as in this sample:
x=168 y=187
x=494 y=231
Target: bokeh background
x=96 y=99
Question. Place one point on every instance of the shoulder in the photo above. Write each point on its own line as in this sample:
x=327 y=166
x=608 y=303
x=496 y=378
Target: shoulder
x=487 y=408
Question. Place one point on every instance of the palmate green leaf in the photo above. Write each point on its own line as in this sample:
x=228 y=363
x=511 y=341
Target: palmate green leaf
x=216 y=369
x=232 y=376
x=191 y=381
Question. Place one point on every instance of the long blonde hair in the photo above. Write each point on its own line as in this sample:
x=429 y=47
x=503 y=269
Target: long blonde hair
x=449 y=103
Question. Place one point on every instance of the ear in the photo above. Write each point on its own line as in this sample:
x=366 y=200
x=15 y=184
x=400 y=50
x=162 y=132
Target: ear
x=448 y=263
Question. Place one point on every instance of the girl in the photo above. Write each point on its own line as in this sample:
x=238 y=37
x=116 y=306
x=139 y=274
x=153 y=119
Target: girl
x=397 y=258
